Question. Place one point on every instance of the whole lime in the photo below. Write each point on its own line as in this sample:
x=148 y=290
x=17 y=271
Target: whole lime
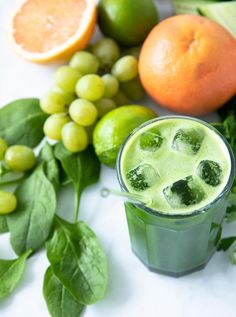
x=127 y=21
x=114 y=127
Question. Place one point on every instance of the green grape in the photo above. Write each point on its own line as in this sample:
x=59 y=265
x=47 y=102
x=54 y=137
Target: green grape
x=111 y=85
x=67 y=77
x=20 y=158
x=3 y=148
x=126 y=68
x=68 y=96
x=107 y=51
x=90 y=87
x=83 y=112
x=8 y=202
x=53 y=102
x=121 y=99
x=54 y=124
x=74 y=137
x=104 y=105
x=133 y=89
x=85 y=63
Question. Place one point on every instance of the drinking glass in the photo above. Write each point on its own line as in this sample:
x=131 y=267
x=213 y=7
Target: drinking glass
x=176 y=244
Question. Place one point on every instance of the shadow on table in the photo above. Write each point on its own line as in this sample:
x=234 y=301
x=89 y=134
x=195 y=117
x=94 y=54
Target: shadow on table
x=119 y=290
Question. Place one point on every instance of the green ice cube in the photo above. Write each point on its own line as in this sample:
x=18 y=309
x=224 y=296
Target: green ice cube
x=210 y=172
x=150 y=140
x=184 y=192
x=187 y=141
x=142 y=177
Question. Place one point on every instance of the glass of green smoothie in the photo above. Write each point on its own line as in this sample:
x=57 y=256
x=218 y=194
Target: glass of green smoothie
x=184 y=169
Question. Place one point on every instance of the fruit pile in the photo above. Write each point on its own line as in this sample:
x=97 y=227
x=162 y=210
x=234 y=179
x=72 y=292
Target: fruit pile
x=96 y=80
x=86 y=89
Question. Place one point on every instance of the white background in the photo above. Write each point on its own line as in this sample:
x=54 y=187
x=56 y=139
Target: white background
x=133 y=291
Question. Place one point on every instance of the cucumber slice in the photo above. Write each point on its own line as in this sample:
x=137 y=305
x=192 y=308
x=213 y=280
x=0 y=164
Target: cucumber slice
x=190 y=6
x=224 y=13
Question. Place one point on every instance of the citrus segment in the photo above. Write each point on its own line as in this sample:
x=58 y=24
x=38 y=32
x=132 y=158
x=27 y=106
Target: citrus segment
x=43 y=30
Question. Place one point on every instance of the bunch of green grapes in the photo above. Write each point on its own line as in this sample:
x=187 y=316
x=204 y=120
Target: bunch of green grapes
x=95 y=82
x=17 y=158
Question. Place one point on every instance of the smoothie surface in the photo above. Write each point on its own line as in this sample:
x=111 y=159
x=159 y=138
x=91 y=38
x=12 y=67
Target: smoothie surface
x=179 y=165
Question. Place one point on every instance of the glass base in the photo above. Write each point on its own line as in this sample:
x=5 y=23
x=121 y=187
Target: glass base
x=171 y=274
x=175 y=247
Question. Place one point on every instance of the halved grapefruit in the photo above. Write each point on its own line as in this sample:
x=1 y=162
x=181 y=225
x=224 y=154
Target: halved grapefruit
x=45 y=30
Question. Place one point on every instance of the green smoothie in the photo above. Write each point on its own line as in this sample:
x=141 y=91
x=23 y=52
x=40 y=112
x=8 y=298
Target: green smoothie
x=183 y=170
x=177 y=164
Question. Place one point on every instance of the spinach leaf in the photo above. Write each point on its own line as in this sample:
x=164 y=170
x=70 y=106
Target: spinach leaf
x=51 y=167
x=11 y=178
x=21 y=122
x=7 y=176
x=232 y=253
x=228 y=129
x=11 y=272
x=78 y=260
x=82 y=168
x=226 y=243
x=32 y=220
x=228 y=109
x=64 y=178
x=3 y=168
x=59 y=300
x=231 y=210
x=3 y=224
x=230 y=214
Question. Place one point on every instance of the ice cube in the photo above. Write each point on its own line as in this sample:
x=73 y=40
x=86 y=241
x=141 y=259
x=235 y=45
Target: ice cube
x=150 y=140
x=210 y=172
x=142 y=177
x=188 y=141
x=184 y=192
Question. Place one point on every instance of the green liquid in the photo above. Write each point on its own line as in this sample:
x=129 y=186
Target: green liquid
x=174 y=164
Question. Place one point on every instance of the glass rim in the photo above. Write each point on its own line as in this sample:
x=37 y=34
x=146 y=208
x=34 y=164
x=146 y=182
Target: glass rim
x=199 y=211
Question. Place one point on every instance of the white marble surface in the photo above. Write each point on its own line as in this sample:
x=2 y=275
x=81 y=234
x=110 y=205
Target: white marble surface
x=133 y=290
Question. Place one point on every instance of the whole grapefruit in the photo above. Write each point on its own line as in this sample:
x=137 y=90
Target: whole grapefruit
x=188 y=64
